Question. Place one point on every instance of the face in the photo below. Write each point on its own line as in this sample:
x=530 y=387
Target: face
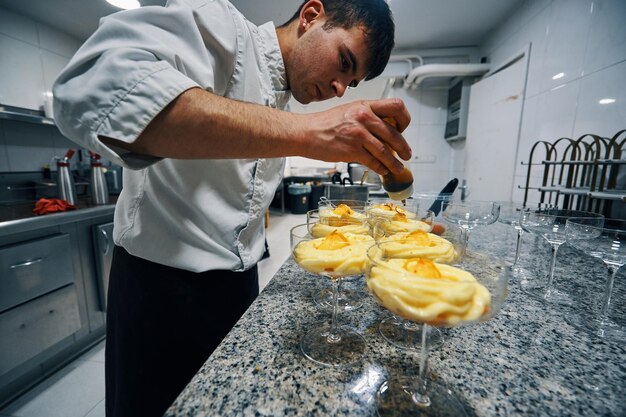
x=323 y=64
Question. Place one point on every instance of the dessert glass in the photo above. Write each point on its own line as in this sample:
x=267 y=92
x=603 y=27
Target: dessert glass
x=347 y=298
x=550 y=224
x=402 y=333
x=332 y=345
x=510 y=214
x=434 y=302
x=469 y=214
x=608 y=243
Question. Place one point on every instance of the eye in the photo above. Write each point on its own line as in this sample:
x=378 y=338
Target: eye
x=345 y=65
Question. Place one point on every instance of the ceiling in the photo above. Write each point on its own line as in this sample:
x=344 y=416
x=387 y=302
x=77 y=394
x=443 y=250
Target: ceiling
x=419 y=23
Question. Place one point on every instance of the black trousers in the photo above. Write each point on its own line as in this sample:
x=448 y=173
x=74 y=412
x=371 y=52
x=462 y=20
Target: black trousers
x=162 y=325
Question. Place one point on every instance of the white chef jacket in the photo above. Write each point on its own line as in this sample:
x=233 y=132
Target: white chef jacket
x=196 y=215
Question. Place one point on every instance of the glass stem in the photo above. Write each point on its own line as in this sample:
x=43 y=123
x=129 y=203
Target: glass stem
x=465 y=232
x=339 y=285
x=420 y=397
x=608 y=291
x=518 y=245
x=555 y=249
x=333 y=336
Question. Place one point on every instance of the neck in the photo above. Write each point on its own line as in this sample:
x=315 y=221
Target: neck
x=287 y=36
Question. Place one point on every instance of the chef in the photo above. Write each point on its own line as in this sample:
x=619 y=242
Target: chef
x=189 y=98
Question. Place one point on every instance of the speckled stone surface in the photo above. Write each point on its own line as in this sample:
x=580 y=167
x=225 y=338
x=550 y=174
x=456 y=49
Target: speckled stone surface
x=526 y=361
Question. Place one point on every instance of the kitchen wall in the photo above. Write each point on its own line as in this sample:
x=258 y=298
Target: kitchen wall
x=577 y=57
x=32 y=56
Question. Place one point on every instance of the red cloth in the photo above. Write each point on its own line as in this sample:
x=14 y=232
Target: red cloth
x=52 y=205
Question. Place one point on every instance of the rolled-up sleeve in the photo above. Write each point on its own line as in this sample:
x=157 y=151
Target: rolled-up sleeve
x=133 y=66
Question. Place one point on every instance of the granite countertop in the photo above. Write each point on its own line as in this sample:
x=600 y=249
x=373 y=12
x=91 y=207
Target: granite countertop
x=525 y=361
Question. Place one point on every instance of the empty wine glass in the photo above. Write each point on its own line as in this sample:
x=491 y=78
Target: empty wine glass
x=608 y=243
x=510 y=213
x=431 y=293
x=550 y=224
x=335 y=257
x=469 y=214
x=435 y=202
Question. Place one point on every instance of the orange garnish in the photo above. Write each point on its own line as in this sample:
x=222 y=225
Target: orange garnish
x=343 y=210
x=333 y=241
x=400 y=217
x=418 y=237
x=422 y=267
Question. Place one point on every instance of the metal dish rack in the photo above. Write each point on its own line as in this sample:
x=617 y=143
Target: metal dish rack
x=584 y=174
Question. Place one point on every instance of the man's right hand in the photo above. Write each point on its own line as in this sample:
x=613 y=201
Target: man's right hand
x=356 y=132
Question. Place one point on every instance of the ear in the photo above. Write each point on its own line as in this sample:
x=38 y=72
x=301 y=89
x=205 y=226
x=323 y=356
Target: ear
x=310 y=13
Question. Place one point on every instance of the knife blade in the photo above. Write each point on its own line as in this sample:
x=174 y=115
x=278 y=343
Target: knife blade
x=447 y=190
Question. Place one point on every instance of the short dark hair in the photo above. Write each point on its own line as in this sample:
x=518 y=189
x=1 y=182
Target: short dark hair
x=373 y=16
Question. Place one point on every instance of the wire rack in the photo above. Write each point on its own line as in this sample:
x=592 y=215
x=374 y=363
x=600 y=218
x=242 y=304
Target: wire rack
x=587 y=173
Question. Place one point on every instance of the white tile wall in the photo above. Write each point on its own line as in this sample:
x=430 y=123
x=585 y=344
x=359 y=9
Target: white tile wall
x=52 y=64
x=28 y=146
x=606 y=43
x=586 y=41
x=58 y=42
x=567 y=39
x=21 y=78
x=18 y=27
x=32 y=56
x=602 y=119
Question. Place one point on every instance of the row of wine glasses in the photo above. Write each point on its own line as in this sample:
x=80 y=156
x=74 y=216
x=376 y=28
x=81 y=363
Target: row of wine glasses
x=588 y=232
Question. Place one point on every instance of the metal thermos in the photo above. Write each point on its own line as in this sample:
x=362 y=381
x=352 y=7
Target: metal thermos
x=66 y=190
x=99 y=189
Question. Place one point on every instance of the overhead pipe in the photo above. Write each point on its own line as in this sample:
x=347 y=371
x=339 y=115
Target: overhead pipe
x=419 y=74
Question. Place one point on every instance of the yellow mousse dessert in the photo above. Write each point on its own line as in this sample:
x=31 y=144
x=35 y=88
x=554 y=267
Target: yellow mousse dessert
x=388 y=210
x=423 y=291
x=322 y=230
x=419 y=244
x=337 y=254
x=341 y=215
x=400 y=223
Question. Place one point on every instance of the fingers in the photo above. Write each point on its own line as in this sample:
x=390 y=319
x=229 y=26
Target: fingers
x=393 y=108
x=381 y=154
x=383 y=131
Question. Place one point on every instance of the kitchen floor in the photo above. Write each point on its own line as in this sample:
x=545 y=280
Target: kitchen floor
x=77 y=390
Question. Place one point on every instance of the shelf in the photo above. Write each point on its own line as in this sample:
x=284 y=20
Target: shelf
x=24 y=115
x=609 y=195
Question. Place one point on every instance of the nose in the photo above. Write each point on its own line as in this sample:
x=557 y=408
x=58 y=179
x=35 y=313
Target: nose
x=339 y=88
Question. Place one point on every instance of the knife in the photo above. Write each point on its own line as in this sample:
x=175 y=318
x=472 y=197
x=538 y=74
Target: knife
x=447 y=190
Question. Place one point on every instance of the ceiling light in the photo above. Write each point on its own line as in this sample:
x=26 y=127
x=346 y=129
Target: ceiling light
x=554 y=77
x=606 y=101
x=125 y=4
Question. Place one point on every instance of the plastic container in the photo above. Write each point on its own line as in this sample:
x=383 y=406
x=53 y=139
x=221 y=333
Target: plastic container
x=299 y=195
x=317 y=192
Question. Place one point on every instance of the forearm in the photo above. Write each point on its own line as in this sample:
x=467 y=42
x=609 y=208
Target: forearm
x=201 y=125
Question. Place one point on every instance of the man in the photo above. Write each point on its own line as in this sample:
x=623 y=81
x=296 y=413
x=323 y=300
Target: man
x=188 y=98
